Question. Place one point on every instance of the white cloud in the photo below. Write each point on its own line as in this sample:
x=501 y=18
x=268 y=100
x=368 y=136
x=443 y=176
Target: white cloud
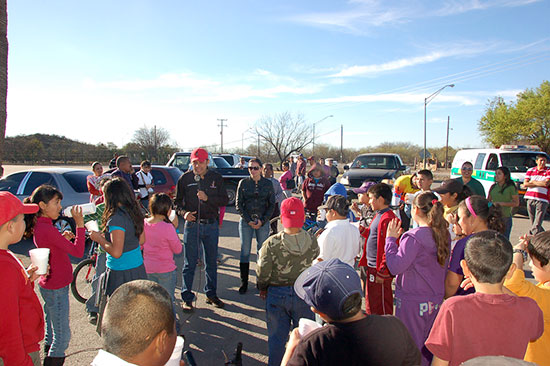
x=406 y=98
x=360 y=16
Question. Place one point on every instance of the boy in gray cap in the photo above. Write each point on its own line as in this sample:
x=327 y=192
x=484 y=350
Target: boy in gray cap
x=333 y=290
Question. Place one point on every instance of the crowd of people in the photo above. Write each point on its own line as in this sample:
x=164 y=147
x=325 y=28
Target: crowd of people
x=460 y=288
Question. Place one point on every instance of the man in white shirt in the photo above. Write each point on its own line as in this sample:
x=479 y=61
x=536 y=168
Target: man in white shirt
x=340 y=239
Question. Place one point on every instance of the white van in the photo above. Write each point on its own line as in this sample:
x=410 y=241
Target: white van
x=517 y=158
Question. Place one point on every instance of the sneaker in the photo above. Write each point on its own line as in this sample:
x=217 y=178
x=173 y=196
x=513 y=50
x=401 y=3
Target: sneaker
x=92 y=318
x=214 y=300
x=187 y=306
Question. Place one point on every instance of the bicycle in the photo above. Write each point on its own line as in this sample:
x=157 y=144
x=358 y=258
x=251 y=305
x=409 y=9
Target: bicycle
x=310 y=224
x=83 y=274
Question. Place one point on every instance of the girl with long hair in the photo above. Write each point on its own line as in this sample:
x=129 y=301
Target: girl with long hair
x=54 y=287
x=475 y=214
x=420 y=263
x=122 y=237
x=505 y=194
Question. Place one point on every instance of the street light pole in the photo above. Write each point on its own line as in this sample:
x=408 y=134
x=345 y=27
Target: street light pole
x=426 y=101
x=222 y=120
x=313 y=140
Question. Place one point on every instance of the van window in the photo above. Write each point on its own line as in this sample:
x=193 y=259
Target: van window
x=492 y=162
x=519 y=162
x=479 y=161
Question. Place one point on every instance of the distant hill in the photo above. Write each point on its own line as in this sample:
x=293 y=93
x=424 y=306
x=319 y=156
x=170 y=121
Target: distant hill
x=48 y=149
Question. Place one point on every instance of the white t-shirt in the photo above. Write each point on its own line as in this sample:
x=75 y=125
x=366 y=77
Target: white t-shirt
x=341 y=239
x=105 y=358
x=144 y=179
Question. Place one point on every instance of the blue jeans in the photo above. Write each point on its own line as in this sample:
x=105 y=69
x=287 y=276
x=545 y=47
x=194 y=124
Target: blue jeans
x=246 y=232
x=507 y=227
x=208 y=235
x=92 y=305
x=168 y=281
x=283 y=309
x=56 y=311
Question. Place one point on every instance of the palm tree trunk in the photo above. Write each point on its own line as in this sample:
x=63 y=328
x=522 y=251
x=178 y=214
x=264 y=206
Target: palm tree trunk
x=3 y=76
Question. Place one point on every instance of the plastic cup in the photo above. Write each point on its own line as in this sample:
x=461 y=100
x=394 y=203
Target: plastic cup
x=87 y=209
x=176 y=354
x=172 y=215
x=92 y=225
x=305 y=326
x=40 y=258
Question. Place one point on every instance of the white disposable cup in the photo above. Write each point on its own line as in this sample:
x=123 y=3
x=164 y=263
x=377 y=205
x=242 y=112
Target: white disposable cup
x=92 y=225
x=40 y=258
x=172 y=215
x=176 y=354
x=87 y=209
x=322 y=214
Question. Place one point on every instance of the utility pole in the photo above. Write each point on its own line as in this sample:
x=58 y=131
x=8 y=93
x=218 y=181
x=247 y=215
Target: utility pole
x=222 y=120
x=258 y=147
x=341 y=143
x=447 y=144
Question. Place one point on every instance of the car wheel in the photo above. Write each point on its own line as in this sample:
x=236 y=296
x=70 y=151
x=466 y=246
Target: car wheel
x=231 y=194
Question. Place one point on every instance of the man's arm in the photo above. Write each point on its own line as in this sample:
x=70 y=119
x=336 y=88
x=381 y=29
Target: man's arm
x=178 y=201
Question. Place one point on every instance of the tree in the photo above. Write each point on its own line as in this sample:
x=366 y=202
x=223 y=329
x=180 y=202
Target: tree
x=525 y=121
x=285 y=133
x=151 y=141
x=3 y=76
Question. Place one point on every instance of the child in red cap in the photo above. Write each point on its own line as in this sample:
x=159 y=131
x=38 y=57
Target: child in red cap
x=21 y=318
x=283 y=257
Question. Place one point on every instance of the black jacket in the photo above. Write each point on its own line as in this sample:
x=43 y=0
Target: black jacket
x=255 y=200
x=211 y=184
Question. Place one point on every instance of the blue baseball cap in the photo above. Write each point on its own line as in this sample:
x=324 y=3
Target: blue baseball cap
x=327 y=285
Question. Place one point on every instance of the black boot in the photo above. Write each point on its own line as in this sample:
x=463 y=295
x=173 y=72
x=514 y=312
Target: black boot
x=58 y=361
x=244 y=277
x=46 y=349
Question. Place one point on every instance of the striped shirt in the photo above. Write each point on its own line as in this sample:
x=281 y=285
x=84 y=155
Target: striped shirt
x=537 y=193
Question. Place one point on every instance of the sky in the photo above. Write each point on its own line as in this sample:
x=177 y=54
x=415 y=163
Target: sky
x=96 y=71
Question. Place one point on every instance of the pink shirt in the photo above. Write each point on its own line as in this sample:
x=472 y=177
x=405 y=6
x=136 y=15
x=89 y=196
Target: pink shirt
x=484 y=325
x=161 y=243
x=61 y=269
x=284 y=177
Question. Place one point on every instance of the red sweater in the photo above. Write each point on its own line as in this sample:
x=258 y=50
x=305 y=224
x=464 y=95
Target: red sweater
x=61 y=270
x=21 y=316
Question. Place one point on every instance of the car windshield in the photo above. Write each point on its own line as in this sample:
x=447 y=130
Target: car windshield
x=221 y=162
x=374 y=162
x=77 y=180
x=175 y=173
x=519 y=162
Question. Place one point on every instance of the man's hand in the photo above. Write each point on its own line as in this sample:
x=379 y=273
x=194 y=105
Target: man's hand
x=394 y=229
x=379 y=279
x=263 y=294
x=202 y=196
x=256 y=225
x=190 y=216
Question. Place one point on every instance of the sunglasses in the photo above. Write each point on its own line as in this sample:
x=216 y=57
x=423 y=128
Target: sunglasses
x=467 y=169
x=253 y=168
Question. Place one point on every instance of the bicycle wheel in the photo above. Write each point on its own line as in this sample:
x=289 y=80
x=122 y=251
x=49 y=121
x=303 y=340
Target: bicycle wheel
x=277 y=219
x=81 y=287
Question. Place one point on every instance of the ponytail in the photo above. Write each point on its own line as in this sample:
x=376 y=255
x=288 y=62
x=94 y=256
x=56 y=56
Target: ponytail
x=478 y=206
x=433 y=210
x=44 y=193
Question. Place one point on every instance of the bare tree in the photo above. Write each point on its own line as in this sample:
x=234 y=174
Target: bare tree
x=151 y=140
x=285 y=132
x=3 y=76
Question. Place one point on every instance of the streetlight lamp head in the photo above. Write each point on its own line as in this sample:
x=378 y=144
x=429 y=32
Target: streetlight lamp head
x=452 y=85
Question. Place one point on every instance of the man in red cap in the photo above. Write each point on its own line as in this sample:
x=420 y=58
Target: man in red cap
x=21 y=318
x=282 y=258
x=199 y=195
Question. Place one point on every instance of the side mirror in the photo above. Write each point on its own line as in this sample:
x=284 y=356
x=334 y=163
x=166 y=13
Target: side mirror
x=346 y=167
x=403 y=167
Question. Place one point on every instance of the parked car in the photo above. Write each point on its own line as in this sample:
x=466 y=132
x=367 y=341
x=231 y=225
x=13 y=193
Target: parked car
x=165 y=178
x=70 y=182
x=231 y=176
x=232 y=159
x=373 y=166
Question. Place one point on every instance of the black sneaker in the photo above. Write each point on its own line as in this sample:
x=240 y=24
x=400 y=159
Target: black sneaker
x=92 y=318
x=214 y=300
x=187 y=306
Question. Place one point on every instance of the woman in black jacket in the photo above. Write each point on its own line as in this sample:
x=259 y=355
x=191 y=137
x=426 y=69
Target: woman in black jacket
x=255 y=203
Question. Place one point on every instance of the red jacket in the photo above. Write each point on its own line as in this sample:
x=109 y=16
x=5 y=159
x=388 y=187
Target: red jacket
x=381 y=267
x=21 y=316
x=61 y=269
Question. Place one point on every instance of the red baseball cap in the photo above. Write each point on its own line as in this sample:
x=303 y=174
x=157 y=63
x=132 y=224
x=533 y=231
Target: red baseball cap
x=199 y=154
x=10 y=206
x=292 y=212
